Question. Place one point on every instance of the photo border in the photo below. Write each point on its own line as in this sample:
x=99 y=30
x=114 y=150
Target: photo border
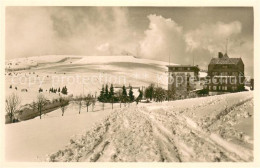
x=152 y=3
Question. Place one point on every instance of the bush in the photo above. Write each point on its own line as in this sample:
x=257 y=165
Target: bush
x=64 y=90
x=148 y=93
x=40 y=90
x=159 y=94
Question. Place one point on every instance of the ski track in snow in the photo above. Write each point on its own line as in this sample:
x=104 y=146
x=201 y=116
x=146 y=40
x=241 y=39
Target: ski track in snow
x=145 y=133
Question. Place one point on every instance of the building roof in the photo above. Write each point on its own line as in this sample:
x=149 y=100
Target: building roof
x=189 y=66
x=224 y=59
x=177 y=68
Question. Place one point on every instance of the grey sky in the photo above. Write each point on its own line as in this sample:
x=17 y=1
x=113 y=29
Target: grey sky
x=147 y=32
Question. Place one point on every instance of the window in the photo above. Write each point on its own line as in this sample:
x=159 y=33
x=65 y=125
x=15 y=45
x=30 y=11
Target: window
x=224 y=66
x=219 y=88
x=188 y=68
x=209 y=87
x=214 y=73
x=234 y=73
x=214 y=87
x=233 y=80
x=224 y=80
x=224 y=74
x=234 y=88
x=224 y=87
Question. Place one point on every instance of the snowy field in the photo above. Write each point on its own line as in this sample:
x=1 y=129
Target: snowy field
x=81 y=74
x=212 y=129
x=192 y=130
x=198 y=130
x=31 y=140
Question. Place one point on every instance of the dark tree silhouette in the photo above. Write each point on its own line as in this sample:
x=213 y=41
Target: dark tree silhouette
x=131 y=94
x=149 y=92
x=101 y=97
x=106 y=93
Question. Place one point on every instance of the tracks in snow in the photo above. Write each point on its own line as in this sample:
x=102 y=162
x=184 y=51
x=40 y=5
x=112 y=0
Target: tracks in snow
x=191 y=142
x=138 y=133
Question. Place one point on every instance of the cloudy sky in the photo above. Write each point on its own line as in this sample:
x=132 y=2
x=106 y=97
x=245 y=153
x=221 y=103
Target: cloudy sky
x=147 y=32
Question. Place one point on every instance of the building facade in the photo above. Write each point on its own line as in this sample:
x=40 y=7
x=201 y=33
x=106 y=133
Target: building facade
x=225 y=74
x=182 y=78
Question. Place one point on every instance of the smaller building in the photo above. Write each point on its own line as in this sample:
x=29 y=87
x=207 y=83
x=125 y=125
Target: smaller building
x=182 y=78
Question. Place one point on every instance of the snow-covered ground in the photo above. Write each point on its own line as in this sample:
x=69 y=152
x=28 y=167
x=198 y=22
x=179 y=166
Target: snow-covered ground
x=209 y=129
x=217 y=128
x=81 y=74
x=31 y=140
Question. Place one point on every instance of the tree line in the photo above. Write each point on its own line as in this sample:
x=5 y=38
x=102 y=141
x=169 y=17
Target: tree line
x=108 y=95
x=64 y=90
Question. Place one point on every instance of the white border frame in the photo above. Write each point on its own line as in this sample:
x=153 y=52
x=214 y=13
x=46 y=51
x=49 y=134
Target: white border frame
x=181 y=3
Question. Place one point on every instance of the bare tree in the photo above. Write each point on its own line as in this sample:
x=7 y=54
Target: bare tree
x=11 y=105
x=79 y=102
x=93 y=104
x=88 y=100
x=39 y=104
x=63 y=105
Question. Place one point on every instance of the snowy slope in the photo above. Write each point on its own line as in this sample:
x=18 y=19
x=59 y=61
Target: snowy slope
x=169 y=132
x=184 y=130
x=31 y=140
x=92 y=72
x=58 y=71
x=52 y=71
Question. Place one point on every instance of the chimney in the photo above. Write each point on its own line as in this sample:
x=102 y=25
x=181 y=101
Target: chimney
x=220 y=55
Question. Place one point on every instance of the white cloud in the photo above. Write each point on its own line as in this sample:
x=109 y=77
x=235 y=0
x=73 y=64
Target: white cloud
x=212 y=37
x=163 y=38
x=67 y=30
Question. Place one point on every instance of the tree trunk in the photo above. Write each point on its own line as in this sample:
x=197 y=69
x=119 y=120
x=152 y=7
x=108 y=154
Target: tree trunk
x=11 y=117
x=40 y=113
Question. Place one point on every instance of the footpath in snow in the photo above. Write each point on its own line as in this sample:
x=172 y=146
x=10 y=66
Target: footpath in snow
x=209 y=129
